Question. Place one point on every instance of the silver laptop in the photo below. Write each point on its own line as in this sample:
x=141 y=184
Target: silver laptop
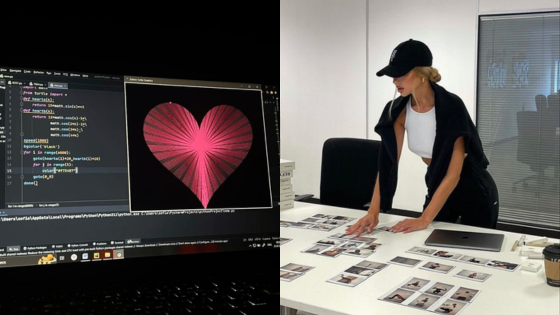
x=468 y=240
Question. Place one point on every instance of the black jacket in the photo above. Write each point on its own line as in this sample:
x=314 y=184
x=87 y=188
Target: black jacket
x=452 y=121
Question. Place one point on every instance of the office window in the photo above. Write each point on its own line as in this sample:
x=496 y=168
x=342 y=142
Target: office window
x=517 y=114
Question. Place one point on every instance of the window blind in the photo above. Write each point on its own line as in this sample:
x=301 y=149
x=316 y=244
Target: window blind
x=518 y=114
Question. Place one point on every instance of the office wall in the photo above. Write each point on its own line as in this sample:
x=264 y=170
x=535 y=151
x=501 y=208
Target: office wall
x=312 y=62
x=449 y=29
x=322 y=79
x=509 y=6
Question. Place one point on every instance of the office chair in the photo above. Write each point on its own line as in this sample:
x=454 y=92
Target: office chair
x=540 y=102
x=551 y=122
x=348 y=172
x=551 y=114
x=535 y=139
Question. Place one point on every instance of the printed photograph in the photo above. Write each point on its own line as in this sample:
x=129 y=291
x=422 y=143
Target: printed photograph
x=289 y=276
x=398 y=296
x=502 y=265
x=342 y=236
x=283 y=240
x=322 y=227
x=451 y=307
x=465 y=294
x=286 y=223
x=382 y=228
x=371 y=246
x=437 y=267
x=313 y=220
x=332 y=252
x=447 y=255
x=316 y=249
x=343 y=218
x=365 y=232
x=358 y=252
x=473 y=275
x=474 y=260
x=347 y=279
x=328 y=241
x=421 y=251
x=403 y=261
x=439 y=289
x=363 y=238
x=361 y=271
x=323 y=216
x=423 y=301
x=372 y=265
x=350 y=244
x=296 y=268
x=333 y=222
x=415 y=284
x=301 y=225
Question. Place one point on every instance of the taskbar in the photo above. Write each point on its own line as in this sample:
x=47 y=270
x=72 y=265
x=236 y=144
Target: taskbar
x=133 y=248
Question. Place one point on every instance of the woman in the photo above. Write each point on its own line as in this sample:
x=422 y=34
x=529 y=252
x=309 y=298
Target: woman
x=441 y=132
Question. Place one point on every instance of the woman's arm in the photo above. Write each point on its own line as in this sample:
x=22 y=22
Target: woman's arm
x=371 y=219
x=443 y=191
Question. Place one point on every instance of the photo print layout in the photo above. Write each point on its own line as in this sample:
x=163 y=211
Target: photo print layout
x=502 y=265
x=437 y=267
x=474 y=260
x=447 y=255
x=289 y=276
x=319 y=222
x=347 y=279
x=430 y=295
x=358 y=273
x=284 y=223
x=422 y=251
x=340 y=243
x=473 y=275
x=452 y=307
x=404 y=261
x=284 y=240
x=296 y=268
x=293 y=271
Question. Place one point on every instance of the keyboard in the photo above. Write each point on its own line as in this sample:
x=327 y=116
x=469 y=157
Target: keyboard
x=210 y=296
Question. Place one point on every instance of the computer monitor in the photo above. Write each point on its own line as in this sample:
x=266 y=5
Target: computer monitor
x=106 y=167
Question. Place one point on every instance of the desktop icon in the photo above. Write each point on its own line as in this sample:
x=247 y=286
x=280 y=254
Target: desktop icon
x=107 y=255
x=84 y=256
x=74 y=257
x=95 y=255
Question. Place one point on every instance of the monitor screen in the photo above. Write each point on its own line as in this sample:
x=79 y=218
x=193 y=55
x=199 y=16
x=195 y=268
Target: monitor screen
x=111 y=166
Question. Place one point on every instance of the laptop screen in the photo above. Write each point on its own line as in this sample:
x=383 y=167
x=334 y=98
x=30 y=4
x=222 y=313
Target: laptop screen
x=101 y=167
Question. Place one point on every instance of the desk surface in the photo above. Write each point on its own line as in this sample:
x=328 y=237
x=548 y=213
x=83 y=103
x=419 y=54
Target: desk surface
x=504 y=292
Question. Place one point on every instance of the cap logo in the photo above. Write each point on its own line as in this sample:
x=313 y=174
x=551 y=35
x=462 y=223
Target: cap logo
x=393 y=55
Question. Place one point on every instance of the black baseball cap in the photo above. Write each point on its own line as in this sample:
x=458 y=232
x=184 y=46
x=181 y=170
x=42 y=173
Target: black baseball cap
x=405 y=57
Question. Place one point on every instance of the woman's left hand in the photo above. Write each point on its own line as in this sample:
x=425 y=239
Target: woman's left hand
x=410 y=225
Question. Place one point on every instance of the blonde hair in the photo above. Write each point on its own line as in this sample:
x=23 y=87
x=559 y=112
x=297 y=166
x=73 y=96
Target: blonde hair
x=429 y=73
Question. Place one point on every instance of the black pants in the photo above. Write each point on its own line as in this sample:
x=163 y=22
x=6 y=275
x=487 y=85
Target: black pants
x=474 y=200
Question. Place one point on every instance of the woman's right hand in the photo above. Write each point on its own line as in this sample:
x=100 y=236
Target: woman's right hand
x=369 y=221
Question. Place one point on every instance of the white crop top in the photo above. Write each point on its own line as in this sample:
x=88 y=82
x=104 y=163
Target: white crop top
x=421 y=131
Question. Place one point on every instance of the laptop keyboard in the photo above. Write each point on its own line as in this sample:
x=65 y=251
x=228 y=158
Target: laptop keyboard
x=211 y=296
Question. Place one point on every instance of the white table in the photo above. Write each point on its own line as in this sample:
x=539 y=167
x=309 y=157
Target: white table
x=518 y=292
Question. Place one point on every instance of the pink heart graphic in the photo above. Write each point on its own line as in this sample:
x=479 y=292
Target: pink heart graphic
x=202 y=158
